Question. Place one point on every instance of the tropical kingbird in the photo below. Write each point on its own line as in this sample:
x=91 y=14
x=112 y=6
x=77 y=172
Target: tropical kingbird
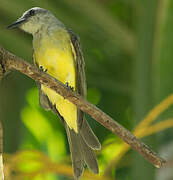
x=56 y=51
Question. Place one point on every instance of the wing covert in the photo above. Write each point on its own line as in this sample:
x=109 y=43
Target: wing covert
x=80 y=64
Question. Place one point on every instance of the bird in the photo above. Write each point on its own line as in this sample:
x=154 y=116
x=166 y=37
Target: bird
x=57 y=52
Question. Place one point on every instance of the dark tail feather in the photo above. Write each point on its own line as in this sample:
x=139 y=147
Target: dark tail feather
x=89 y=137
x=81 y=152
x=89 y=157
x=76 y=153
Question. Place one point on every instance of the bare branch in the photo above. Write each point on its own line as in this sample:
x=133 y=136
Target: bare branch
x=12 y=62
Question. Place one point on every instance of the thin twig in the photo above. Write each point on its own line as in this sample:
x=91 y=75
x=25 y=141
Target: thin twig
x=12 y=62
x=46 y=166
x=155 y=112
x=160 y=126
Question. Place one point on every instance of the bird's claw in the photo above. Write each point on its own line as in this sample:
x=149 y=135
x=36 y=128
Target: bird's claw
x=70 y=87
x=42 y=69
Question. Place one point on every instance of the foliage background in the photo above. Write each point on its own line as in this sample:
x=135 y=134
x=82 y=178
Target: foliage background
x=127 y=45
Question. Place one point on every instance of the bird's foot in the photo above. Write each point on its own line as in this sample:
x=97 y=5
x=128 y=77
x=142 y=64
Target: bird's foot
x=42 y=69
x=70 y=87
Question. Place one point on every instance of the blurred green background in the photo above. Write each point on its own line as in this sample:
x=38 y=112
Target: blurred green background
x=127 y=46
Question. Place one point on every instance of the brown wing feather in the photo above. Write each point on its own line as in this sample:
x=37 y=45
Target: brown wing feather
x=83 y=126
x=80 y=72
x=80 y=64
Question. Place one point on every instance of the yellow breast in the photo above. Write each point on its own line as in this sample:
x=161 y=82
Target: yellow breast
x=54 y=53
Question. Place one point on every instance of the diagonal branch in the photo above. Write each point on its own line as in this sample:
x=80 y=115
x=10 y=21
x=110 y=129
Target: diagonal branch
x=11 y=62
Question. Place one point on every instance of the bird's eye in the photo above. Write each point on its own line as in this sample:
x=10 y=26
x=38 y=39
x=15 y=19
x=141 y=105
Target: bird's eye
x=31 y=12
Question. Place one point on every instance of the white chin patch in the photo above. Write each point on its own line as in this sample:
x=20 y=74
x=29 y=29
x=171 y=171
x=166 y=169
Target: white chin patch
x=29 y=27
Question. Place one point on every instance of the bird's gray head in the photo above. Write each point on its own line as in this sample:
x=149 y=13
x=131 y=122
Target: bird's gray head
x=34 y=19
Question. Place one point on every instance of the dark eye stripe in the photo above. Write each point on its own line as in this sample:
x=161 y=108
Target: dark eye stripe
x=31 y=12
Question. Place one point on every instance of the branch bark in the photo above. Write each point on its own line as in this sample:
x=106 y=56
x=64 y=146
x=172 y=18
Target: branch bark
x=9 y=62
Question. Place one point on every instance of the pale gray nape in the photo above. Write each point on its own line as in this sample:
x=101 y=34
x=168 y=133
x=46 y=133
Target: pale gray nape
x=42 y=21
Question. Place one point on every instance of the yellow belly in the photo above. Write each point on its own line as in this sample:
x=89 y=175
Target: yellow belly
x=60 y=64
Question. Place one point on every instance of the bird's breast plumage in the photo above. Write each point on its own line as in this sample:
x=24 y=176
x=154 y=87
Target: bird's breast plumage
x=54 y=53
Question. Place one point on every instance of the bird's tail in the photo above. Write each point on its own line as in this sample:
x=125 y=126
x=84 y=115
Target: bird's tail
x=82 y=146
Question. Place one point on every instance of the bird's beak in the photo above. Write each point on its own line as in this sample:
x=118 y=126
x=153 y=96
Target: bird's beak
x=17 y=23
